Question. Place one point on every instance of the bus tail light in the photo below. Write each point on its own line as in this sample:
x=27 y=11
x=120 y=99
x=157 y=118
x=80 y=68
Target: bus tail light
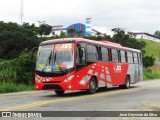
x=68 y=78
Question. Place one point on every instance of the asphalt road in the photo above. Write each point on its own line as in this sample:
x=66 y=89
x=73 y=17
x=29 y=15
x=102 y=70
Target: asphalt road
x=143 y=96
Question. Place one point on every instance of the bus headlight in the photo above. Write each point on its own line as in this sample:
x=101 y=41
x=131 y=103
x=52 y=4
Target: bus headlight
x=68 y=78
x=37 y=79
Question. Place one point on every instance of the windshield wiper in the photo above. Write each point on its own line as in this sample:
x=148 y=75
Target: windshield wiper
x=56 y=60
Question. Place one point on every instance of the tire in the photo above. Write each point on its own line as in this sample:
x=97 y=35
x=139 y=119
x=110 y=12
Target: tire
x=92 y=86
x=127 y=83
x=59 y=92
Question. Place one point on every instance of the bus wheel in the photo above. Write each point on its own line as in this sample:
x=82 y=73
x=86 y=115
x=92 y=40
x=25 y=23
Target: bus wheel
x=92 y=86
x=127 y=83
x=59 y=92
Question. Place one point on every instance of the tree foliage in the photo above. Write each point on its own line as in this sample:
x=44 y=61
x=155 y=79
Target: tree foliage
x=148 y=61
x=79 y=33
x=127 y=39
x=98 y=38
x=157 y=33
x=71 y=32
x=15 y=38
x=19 y=70
x=45 y=29
x=63 y=35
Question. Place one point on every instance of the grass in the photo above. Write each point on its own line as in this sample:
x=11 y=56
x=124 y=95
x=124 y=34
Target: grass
x=151 y=73
x=152 y=48
x=11 y=87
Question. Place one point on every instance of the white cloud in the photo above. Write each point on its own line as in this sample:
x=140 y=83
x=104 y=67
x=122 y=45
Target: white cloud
x=141 y=15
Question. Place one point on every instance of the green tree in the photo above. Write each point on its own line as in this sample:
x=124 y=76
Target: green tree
x=127 y=39
x=45 y=29
x=79 y=32
x=106 y=37
x=157 y=33
x=15 y=38
x=71 y=32
x=31 y=27
x=99 y=38
x=98 y=33
x=63 y=34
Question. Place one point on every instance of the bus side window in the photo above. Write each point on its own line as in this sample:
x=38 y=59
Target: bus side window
x=104 y=53
x=114 y=55
x=135 y=58
x=130 y=57
x=92 y=53
x=123 y=56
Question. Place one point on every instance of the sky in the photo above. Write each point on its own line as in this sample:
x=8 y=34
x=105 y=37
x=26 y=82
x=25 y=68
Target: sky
x=131 y=15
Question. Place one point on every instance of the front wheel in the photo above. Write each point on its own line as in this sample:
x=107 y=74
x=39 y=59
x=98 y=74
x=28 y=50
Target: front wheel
x=92 y=86
x=59 y=92
x=127 y=83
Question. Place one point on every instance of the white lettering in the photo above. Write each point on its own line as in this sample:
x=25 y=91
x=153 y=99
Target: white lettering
x=152 y=115
x=123 y=115
x=118 y=68
x=66 y=46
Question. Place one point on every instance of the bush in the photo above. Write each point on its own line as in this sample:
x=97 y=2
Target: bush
x=149 y=76
x=8 y=71
x=151 y=73
x=148 y=61
x=19 y=70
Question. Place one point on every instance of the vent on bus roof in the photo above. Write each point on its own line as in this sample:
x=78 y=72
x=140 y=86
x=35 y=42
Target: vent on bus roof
x=112 y=43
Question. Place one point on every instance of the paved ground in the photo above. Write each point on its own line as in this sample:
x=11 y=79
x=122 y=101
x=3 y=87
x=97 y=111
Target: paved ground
x=143 y=96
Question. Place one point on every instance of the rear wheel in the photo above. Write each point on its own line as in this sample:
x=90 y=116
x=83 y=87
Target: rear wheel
x=59 y=92
x=92 y=86
x=127 y=83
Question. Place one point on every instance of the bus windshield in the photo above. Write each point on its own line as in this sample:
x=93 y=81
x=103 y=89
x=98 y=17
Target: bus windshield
x=55 y=57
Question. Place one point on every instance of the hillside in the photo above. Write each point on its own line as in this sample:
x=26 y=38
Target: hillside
x=152 y=48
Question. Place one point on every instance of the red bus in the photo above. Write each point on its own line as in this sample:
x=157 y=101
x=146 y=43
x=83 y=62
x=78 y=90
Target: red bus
x=82 y=64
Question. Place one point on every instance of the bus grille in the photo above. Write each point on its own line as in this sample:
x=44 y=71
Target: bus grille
x=50 y=86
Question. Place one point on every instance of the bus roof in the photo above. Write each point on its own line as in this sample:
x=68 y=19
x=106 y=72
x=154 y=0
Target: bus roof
x=102 y=42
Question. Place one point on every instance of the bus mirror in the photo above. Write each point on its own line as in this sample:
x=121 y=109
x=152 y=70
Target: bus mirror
x=32 y=53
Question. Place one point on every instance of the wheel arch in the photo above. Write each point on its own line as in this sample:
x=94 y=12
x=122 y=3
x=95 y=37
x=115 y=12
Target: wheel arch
x=128 y=75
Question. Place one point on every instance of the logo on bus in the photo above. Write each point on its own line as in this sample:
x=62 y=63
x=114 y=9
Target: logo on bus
x=68 y=46
x=117 y=68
